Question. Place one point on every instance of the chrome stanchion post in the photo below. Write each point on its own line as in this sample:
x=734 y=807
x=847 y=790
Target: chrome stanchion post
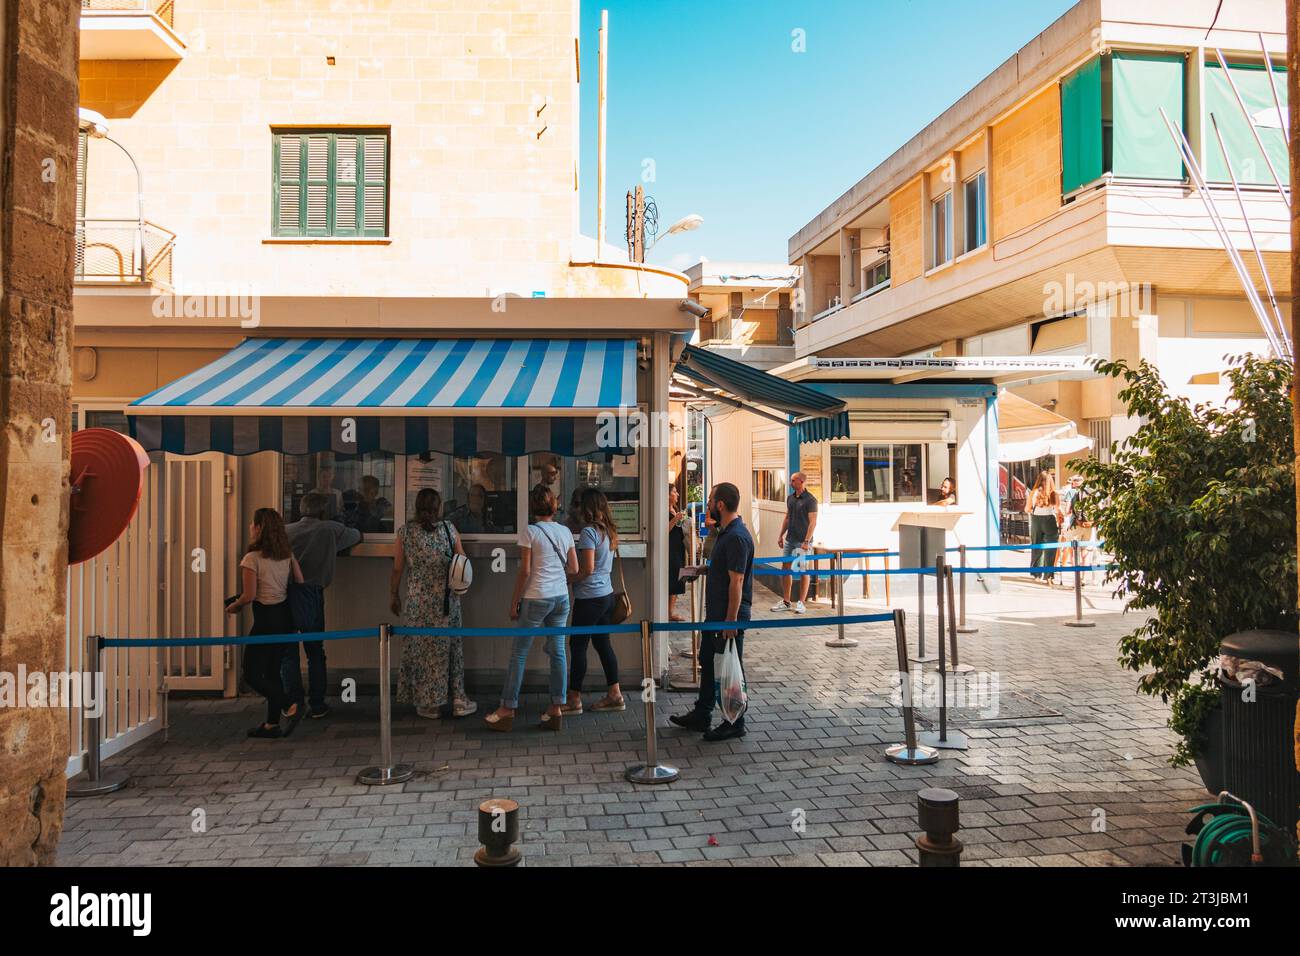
x=387 y=773
x=921 y=656
x=1078 y=591
x=944 y=739
x=95 y=781
x=957 y=666
x=908 y=752
x=837 y=565
x=962 y=627
x=651 y=771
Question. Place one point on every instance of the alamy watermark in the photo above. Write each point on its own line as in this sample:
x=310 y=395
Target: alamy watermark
x=38 y=689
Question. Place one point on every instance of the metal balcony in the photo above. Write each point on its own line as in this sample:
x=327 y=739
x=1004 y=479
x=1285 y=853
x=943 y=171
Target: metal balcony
x=124 y=250
x=129 y=30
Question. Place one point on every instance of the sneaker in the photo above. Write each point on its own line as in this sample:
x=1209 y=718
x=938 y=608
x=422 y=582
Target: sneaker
x=316 y=713
x=691 y=720
x=725 y=731
x=781 y=606
x=799 y=608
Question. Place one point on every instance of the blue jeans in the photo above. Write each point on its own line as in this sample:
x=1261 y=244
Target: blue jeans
x=538 y=612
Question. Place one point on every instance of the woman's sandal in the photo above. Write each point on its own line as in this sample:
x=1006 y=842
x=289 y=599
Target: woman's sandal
x=609 y=704
x=495 y=721
x=269 y=733
x=567 y=708
x=428 y=714
x=551 y=722
x=463 y=708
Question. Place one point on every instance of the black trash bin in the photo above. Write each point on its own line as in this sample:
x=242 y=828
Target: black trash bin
x=1258 y=748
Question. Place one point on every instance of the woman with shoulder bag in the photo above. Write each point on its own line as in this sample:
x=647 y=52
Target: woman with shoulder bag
x=540 y=599
x=265 y=571
x=593 y=602
x=432 y=671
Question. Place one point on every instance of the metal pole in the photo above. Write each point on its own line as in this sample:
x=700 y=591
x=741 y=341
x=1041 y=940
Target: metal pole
x=1078 y=591
x=908 y=752
x=921 y=656
x=962 y=627
x=943 y=740
x=95 y=781
x=957 y=666
x=651 y=771
x=839 y=580
x=387 y=773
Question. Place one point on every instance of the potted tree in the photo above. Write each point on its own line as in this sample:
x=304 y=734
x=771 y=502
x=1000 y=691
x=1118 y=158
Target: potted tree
x=1198 y=509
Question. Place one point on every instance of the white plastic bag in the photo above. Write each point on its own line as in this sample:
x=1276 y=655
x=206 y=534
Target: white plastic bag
x=729 y=683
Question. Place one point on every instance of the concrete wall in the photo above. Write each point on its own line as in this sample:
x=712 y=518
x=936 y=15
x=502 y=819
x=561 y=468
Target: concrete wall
x=38 y=95
x=482 y=109
x=1025 y=179
x=905 y=250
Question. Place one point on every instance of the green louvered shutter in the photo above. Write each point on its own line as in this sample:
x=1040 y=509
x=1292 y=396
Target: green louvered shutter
x=347 y=162
x=287 y=198
x=1081 y=160
x=374 y=166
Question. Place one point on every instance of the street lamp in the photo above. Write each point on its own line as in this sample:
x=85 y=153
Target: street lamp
x=95 y=125
x=685 y=224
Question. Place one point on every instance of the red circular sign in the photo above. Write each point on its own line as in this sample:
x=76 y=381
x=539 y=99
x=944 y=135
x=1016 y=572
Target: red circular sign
x=107 y=480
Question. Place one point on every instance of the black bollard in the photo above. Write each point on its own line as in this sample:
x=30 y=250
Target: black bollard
x=937 y=815
x=498 y=831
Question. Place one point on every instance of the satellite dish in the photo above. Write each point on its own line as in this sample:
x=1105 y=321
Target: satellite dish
x=107 y=480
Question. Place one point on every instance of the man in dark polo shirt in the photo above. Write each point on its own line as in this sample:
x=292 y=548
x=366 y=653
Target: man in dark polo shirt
x=796 y=536
x=728 y=591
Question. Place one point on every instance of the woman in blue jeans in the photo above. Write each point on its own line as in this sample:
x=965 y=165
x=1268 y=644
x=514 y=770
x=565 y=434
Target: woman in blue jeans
x=540 y=599
x=593 y=601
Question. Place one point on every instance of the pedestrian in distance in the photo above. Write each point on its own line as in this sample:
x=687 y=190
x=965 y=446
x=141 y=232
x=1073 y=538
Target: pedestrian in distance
x=795 y=540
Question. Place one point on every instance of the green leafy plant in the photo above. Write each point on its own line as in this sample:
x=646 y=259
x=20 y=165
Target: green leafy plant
x=1198 y=509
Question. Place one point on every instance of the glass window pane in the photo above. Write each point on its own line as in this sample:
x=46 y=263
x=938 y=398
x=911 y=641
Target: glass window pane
x=844 y=473
x=975 y=215
x=478 y=493
x=360 y=488
x=875 y=473
x=116 y=421
x=618 y=476
x=908 y=474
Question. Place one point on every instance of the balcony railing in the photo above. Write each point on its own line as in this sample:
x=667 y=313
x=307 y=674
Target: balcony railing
x=162 y=9
x=123 y=250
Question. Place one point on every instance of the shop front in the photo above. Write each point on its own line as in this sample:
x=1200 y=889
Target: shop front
x=369 y=422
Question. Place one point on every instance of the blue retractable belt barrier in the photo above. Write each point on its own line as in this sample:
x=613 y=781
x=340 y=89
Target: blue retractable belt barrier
x=248 y=639
x=756 y=625
x=516 y=631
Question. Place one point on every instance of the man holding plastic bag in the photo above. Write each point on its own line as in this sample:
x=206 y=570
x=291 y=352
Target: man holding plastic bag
x=728 y=592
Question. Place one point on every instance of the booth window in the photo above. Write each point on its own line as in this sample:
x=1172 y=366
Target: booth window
x=479 y=494
x=330 y=183
x=361 y=488
x=769 y=484
x=844 y=474
x=941 y=230
x=975 y=195
x=618 y=476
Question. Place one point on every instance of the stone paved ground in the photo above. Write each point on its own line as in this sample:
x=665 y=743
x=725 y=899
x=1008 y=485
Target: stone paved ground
x=1072 y=747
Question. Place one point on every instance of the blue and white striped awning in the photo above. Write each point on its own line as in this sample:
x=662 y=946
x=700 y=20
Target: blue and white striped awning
x=463 y=396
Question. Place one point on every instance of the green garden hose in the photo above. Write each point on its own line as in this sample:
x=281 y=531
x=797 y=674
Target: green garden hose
x=1226 y=835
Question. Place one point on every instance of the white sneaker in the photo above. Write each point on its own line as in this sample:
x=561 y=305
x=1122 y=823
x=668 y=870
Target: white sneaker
x=799 y=608
x=781 y=606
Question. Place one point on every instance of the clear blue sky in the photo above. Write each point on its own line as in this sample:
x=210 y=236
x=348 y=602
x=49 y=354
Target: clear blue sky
x=757 y=138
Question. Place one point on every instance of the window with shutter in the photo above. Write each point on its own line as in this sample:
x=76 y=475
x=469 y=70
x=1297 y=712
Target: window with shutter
x=330 y=183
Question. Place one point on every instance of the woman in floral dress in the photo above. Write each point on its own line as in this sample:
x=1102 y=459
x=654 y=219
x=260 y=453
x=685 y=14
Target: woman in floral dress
x=432 y=671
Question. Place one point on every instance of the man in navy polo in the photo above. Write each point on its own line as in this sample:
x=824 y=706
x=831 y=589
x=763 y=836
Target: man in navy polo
x=728 y=592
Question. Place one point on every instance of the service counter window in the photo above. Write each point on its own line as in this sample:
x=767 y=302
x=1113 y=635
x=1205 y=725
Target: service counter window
x=618 y=476
x=844 y=474
x=479 y=494
x=876 y=473
x=360 y=489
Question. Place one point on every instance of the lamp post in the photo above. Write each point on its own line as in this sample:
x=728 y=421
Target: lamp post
x=93 y=124
x=685 y=224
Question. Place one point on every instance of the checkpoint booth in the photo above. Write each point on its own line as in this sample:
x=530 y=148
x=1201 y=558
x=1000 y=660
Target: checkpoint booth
x=877 y=466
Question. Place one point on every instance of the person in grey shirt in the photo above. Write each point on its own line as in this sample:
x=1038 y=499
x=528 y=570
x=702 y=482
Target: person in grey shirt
x=316 y=543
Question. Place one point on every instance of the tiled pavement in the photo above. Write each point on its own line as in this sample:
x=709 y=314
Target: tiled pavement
x=1072 y=771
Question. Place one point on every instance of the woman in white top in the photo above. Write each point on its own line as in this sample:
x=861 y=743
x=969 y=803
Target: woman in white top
x=1042 y=506
x=540 y=599
x=265 y=570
